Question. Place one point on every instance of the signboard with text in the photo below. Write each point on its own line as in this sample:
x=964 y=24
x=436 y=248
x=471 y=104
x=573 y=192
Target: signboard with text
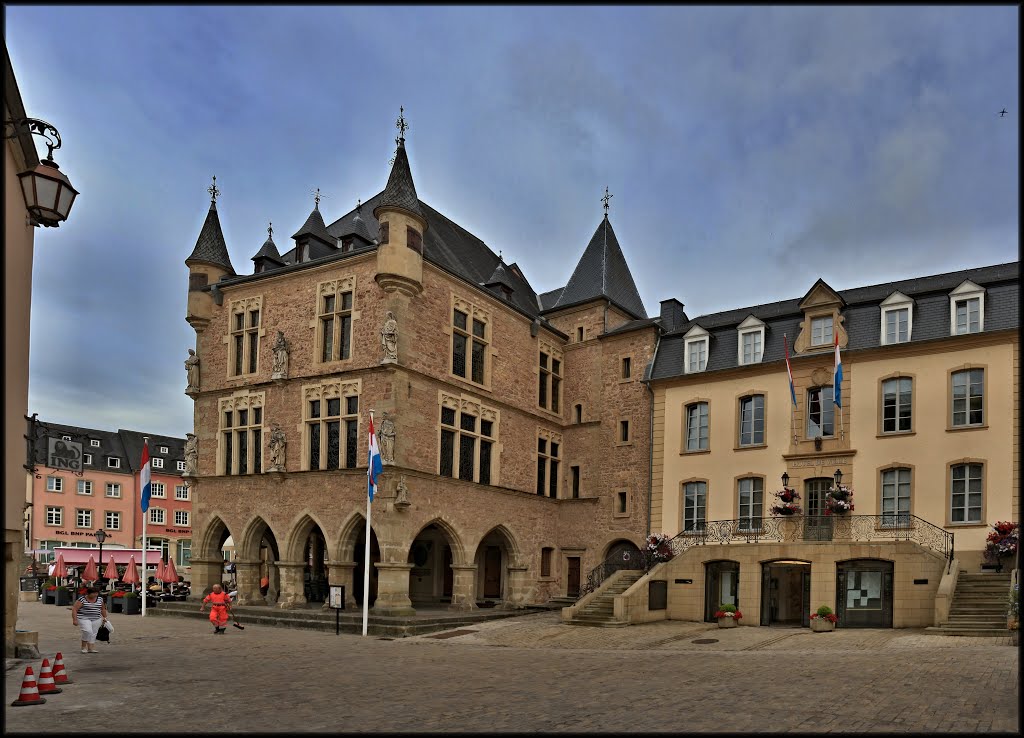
x=61 y=454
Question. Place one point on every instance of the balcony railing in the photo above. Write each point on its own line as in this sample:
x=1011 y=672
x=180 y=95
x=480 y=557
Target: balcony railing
x=787 y=529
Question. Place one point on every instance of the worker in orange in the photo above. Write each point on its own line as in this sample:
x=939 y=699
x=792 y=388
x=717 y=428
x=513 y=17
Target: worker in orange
x=220 y=606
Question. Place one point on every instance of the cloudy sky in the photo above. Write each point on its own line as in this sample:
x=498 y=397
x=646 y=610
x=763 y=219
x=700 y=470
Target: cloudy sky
x=749 y=151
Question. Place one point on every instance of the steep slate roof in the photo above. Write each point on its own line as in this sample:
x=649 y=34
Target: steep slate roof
x=132 y=442
x=110 y=445
x=210 y=246
x=269 y=251
x=314 y=226
x=548 y=299
x=861 y=317
x=400 y=191
x=355 y=226
x=602 y=273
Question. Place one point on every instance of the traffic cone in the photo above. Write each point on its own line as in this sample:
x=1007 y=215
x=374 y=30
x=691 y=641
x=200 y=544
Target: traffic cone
x=60 y=674
x=29 y=692
x=46 y=684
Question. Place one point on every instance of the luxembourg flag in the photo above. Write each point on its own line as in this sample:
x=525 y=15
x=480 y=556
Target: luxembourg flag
x=144 y=476
x=375 y=466
x=838 y=378
x=789 y=370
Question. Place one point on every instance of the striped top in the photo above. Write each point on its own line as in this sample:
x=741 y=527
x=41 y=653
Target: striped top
x=90 y=610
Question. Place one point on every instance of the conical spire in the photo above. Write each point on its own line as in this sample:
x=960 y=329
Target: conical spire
x=602 y=273
x=210 y=247
x=356 y=226
x=500 y=277
x=314 y=226
x=269 y=250
x=400 y=191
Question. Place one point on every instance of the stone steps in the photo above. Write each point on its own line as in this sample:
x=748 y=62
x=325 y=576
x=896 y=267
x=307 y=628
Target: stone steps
x=980 y=632
x=599 y=612
x=978 y=607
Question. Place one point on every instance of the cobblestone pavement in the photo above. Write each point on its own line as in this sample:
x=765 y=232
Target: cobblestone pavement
x=524 y=674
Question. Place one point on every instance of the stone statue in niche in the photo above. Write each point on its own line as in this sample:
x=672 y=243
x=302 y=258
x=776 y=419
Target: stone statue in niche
x=389 y=339
x=191 y=455
x=277 y=449
x=192 y=371
x=280 y=357
x=402 y=494
x=386 y=439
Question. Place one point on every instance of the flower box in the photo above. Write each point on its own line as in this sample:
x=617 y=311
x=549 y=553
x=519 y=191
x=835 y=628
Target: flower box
x=727 y=623
x=50 y=596
x=132 y=605
x=64 y=596
x=820 y=625
x=728 y=616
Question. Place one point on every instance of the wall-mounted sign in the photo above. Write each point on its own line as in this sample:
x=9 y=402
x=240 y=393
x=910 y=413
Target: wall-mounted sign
x=823 y=461
x=63 y=454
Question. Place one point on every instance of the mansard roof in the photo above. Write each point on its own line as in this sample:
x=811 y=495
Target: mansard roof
x=210 y=246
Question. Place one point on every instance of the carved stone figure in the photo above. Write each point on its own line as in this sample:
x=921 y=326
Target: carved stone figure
x=386 y=440
x=277 y=449
x=402 y=494
x=280 y=357
x=191 y=455
x=389 y=339
x=192 y=371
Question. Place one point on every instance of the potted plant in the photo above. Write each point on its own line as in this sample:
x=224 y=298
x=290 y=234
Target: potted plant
x=1002 y=543
x=64 y=596
x=824 y=620
x=1013 y=612
x=728 y=616
x=132 y=603
x=838 y=500
x=116 y=602
x=658 y=548
x=50 y=591
x=787 y=502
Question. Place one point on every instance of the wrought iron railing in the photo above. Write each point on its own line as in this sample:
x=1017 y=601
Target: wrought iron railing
x=786 y=529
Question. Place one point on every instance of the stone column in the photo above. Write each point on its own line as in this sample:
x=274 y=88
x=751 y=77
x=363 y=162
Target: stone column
x=463 y=588
x=515 y=588
x=343 y=573
x=292 y=592
x=205 y=573
x=247 y=576
x=393 y=589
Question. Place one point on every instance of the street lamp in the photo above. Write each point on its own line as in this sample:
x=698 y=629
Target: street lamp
x=47 y=190
x=101 y=536
x=838 y=476
x=785 y=479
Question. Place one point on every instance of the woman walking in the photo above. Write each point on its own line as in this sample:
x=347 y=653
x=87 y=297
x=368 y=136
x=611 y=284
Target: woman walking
x=220 y=606
x=88 y=613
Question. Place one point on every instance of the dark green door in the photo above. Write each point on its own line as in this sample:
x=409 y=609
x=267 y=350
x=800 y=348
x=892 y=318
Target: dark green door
x=721 y=586
x=864 y=593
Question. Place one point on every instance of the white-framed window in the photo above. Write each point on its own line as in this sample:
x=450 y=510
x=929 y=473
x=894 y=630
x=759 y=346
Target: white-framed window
x=897 y=318
x=84 y=487
x=181 y=518
x=181 y=466
x=113 y=462
x=157 y=515
x=113 y=489
x=695 y=497
x=696 y=343
x=751 y=502
x=896 y=404
x=821 y=412
x=94 y=443
x=966 y=309
x=821 y=330
x=87 y=458
x=54 y=515
x=113 y=520
x=83 y=518
x=965 y=493
x=181 y=492
x=163 y=449
x=184 y=552
x=750 y=346
x=157 y=463
x=896 y=497
x=968 y=397
x=697 y=426
x=752 y=420
x=156 y=489
x=55 y=484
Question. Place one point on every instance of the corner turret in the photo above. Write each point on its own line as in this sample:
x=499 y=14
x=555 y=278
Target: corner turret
x=207 y=264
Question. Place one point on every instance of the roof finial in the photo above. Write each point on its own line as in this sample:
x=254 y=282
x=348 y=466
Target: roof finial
x=401 y=125
x=316 y=198
x=499 y=257
x=212 y=189
x=359 y=205
x=605 y=200
x=270 y=231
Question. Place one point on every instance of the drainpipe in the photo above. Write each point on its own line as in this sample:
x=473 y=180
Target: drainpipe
x=650 y=437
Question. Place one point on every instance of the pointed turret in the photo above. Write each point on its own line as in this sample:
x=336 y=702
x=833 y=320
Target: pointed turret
x=353 y=229
x=602 y=273
x=210 y=246
x=501 y=280
x=314 y=227
x=268 y=257
x=207 y=264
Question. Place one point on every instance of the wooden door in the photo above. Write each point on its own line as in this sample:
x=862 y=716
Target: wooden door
x=572 y=588
x=492 y=572
x=817 y=525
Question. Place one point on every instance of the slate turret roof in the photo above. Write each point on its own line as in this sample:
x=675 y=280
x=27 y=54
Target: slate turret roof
x=602 y=273
x=210 y=247
x=314 y=226
x=269 y=252
x=400 y=191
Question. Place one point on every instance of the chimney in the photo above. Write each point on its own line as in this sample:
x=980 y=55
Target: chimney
x=672 y=315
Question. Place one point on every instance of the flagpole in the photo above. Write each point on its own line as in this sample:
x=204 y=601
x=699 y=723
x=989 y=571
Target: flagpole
x=366 y=546
x=142 y=580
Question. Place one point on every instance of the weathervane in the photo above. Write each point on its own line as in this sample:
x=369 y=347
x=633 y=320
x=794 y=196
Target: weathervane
x=605 y=200
x=401 y=125
x=270 y=231
x=316 y=197
x=212 y=189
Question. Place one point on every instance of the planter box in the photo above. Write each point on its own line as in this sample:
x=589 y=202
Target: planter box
x=49 y=597
x=64 y=597
x=132 y=605
x=821 y=625
x=727 y=623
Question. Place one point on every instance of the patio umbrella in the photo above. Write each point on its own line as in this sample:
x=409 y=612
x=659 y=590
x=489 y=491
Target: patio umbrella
x=170 y=573
x=159 y=576
x=91 y=573
x=60 y=569
x=131 y=573
x=111 y=571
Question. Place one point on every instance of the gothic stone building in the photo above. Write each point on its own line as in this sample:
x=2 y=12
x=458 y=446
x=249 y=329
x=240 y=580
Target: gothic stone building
x=514 y=426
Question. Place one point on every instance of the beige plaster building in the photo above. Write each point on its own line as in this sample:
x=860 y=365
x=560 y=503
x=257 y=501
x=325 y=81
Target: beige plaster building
x=514 y=427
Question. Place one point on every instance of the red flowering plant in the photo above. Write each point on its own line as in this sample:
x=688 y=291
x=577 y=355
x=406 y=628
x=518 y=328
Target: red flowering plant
x=729 y=611
x=659 y=548
x=52 y=588
x=825 y=613
x=787 y=502
x=117 y=593
x=1002 y=541
x=838 y=500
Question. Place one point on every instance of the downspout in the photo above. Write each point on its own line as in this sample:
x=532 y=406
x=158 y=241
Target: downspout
x=650 y=437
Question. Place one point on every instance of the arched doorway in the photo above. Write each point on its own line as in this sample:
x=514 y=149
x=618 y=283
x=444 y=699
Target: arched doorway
x=623 y=555
x=721 y=587
x=864 y=593
x=314 y=575
x=493 y=557
x=431 y=578
x=786 y=593
x=268 y=553
x=359 y=556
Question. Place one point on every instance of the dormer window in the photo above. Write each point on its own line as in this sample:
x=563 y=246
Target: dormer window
x=697 y=340
x=967 y=309
x=750 y=347
x=303 y=253
x=346 y=244
x=821 y=331
x=897 y=318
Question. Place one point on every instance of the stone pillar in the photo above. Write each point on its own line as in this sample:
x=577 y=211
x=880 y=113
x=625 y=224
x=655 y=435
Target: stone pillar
x=205 y=574
x=343 y=573
x=463 y=588
x=247 y=576
x=292 y=592
x=515 y=588
x=393 y=589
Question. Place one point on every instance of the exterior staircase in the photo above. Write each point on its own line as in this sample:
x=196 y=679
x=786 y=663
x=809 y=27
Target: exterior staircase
x=978 y=607
x=599 y=612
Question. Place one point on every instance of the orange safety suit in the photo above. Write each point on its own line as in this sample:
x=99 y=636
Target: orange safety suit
x=219 y=604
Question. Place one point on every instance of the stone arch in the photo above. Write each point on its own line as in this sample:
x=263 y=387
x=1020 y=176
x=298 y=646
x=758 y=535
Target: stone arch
x=210 y=541
x=299 y=532
x=350 y=553
x=258 y=543
x=307 y=543
x=455 y=539
x=433 y=552
x=495 y=553
x=623 y=546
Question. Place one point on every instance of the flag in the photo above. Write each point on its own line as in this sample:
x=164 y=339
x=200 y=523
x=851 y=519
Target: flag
x=837 y=394
x=789 y=370
x=374 y=467
x=144 y=476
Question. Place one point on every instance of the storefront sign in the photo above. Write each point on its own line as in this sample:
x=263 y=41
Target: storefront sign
x=824 y=461
x=63 y=454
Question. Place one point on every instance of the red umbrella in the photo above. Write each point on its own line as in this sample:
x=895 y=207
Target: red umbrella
x=170 y=573
x=91 y=573
x=111 y=571
x=60 y=569
x=131 y=573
